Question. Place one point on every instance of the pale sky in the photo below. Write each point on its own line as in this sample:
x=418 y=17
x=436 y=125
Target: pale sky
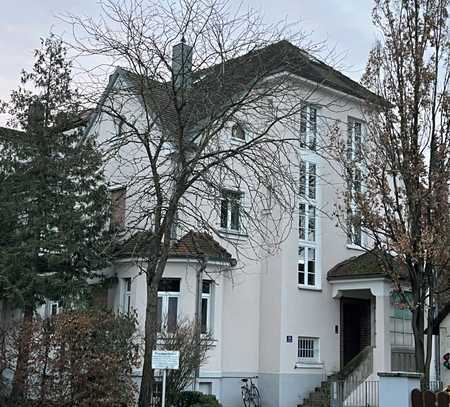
x=344 y=24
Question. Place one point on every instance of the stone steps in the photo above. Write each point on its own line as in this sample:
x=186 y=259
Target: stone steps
x=320 y=397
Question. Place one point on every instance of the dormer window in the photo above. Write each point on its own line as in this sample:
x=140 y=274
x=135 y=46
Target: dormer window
x=237 y=132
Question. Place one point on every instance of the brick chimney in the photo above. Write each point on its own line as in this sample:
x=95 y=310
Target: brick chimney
x=182 y=65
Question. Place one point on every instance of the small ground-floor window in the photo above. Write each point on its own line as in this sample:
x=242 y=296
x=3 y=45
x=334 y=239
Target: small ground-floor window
x=205 y=387
x=308 y=349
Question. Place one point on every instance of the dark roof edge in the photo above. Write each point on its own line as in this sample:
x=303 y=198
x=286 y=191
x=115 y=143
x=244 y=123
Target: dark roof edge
x=359 y=276
x=112 y=80
x=231 y=261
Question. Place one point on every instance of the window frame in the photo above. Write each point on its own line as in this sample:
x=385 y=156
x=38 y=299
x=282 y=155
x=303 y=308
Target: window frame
x=315 y=359
x=405 y=316
x=208 y=297
x=306 y=268
x=49 y=306
x=306 y=218
x=229 y=211
x=356 y=237
x=165 y=299
x=126 y=306
x=308 y=127
x=237 y=125
x=118 y=207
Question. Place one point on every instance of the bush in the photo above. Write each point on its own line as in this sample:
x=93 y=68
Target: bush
x=196 y=399
x=79 y=358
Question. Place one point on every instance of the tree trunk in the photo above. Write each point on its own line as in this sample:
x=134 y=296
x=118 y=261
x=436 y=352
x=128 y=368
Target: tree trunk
x=45 y=357
x=150 y=335
x=23 y=356
x=419 y=344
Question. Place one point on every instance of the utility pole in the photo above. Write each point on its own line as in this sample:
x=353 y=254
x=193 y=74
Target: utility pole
x=198 y=315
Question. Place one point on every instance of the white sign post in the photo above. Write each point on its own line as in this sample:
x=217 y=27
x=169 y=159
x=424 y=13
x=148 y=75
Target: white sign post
x=163 y=360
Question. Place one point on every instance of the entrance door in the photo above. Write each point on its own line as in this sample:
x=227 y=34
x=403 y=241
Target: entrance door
x=355 y=323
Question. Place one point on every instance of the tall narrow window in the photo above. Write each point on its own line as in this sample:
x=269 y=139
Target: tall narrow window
x=206 y=305
x=126 y=295
x=354 y=186
x=308 y=180
x=312 y=128
x=230 y=210
x=118 y=208
x=308 y=127
x=167 y=310
x=312 y=181
x=401 y=328
x=308 y=275
x=307 y=267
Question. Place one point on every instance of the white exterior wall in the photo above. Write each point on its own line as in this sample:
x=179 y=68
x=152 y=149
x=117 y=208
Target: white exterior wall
x=259 y=304
x=444 y=339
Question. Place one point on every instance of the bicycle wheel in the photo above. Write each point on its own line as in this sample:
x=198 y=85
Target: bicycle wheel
x=246 y=397
x=256 y=398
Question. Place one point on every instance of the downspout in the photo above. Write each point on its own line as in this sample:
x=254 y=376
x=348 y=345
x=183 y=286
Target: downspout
x=437 y=346
x=198 y=315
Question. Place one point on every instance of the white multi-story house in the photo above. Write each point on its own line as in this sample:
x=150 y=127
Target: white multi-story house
x=318 y=306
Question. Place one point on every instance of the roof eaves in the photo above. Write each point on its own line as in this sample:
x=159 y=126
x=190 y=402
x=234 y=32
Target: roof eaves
x=98 y=109
x=358 y=276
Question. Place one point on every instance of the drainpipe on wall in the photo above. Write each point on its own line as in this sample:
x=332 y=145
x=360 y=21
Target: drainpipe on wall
x=198 y=314
x=437 y=347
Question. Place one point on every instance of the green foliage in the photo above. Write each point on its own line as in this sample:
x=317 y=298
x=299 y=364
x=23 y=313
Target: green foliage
x=196 y=399
x=53 y=200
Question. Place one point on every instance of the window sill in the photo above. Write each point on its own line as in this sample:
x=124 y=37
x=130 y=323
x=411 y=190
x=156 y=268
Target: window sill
x=237 y=141
x=233 y=233
x=308 y=365
x=309 y=288
x=353 y=246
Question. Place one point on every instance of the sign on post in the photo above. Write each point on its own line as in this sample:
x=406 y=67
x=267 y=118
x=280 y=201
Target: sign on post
x=163 y=360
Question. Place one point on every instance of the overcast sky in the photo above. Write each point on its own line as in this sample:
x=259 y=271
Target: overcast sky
x=344 y=24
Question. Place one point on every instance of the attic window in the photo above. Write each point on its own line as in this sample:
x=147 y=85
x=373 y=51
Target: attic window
x=237 y=132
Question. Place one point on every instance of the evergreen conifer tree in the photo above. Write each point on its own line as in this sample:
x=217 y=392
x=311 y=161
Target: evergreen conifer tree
x=53 y=201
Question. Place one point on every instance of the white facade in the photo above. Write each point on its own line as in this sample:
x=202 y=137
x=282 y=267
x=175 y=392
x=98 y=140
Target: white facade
x=267 y=322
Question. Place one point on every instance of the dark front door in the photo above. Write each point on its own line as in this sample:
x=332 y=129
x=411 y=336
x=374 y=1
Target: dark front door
x=355 y=316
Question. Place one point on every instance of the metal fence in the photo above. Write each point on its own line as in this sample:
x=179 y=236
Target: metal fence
x=436 y=386
x=345 y=394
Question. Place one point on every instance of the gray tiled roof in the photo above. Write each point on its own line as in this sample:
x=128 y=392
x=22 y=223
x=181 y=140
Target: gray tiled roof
x=366 y=265
x=215 y=88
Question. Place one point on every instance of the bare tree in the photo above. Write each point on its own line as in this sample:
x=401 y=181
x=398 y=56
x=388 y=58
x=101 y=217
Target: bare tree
x=183 y=338
x=196 y=73
x=398 y=176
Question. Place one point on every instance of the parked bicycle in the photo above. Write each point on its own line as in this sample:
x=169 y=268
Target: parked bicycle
x=250 y=393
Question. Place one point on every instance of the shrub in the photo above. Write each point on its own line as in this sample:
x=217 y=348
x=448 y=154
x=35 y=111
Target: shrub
x=80 y=358
x=196 y=399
